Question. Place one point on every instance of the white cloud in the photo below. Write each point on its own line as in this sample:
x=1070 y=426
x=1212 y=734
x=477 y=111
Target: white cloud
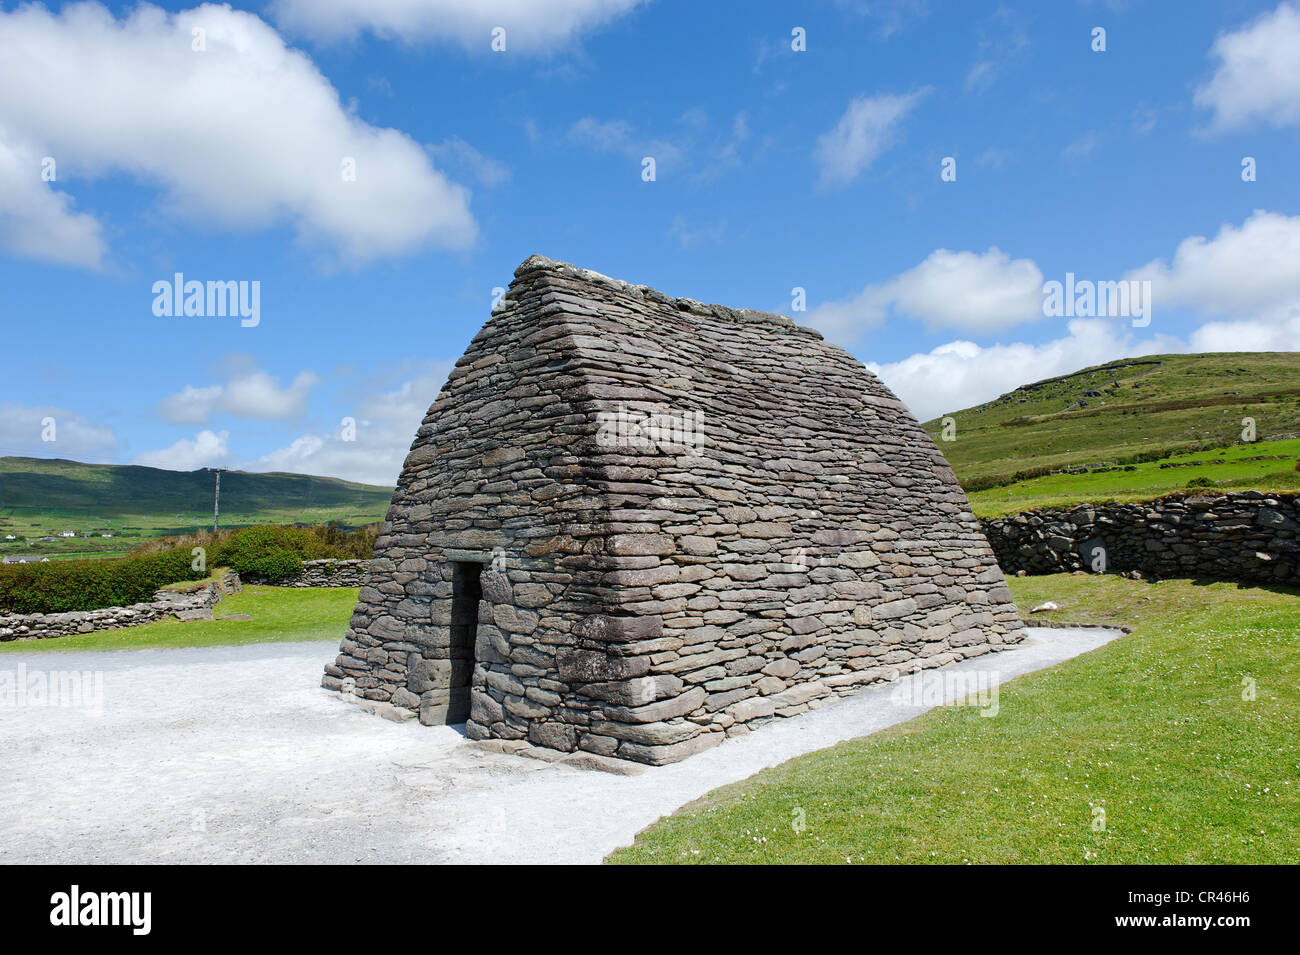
x=868 y=127
x=457 y=154
x=38 y=221
x=207 y=450
x=1246 y=278
x=961 y=373
x=724 y=155
x=191 y=405
x=1082 y=148
x=250 y=394
x=1144 y=119
x=695 y=144
x=617 y=136
x=259 y=396
x=530 y=26
x=607 y=135
x=995 y=157
x=385 y=425
x=1002 y=41
x=980 y=77
x=892 y=16
x=972 y=291
x=24 y=430
x=1246 y=272
x=1249 y=335
x=689 y=237
x=1258 y=74
x=247 y=133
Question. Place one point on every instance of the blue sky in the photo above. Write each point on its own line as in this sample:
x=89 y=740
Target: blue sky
x=776 y=169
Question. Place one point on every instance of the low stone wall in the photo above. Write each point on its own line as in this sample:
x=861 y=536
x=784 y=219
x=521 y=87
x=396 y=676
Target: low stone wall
x=166 y=603
x=323 y=573
x=1245 y=536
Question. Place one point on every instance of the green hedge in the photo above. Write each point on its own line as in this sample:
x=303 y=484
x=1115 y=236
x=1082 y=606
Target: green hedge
x=269 y=553
x=309 y=542
x=61 y=586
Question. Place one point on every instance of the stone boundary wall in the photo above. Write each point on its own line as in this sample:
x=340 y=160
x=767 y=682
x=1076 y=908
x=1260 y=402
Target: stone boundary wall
x=1243 y=536
x=323 y=573
x=166 y=603
x=1071 y=625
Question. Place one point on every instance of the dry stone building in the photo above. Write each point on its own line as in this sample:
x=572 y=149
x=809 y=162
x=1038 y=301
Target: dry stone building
x=632 y=525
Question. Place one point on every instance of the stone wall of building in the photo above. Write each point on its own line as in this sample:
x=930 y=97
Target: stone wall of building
x=166 y=603
x=322 y=573
x=1244 y=536
x=674 y=520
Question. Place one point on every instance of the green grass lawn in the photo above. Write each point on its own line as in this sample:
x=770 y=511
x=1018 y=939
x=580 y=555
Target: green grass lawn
x=1152 y=728
x=280 y=614
x=1231 y=469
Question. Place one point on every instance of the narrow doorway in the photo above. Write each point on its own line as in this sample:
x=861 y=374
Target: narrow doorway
x=467 y=591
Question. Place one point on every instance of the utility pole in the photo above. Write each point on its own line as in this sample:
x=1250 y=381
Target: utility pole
x=216 y=502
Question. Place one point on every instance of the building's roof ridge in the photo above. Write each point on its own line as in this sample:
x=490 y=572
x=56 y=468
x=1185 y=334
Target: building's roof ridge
x=540 y=263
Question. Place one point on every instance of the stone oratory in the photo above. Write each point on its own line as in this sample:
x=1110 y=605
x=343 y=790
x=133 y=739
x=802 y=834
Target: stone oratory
x=633 y=525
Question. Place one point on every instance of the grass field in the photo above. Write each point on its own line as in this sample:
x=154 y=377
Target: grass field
x=1152 y=729
x=280 y=615
x=1123 y=410
x=1262 y=466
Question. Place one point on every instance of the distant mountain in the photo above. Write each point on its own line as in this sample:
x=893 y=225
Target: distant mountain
x=44 y=497
x=1137 y=407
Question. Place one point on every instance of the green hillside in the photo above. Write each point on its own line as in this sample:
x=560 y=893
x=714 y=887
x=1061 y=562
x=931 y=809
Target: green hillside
x=1132 y=414
x=45 y=498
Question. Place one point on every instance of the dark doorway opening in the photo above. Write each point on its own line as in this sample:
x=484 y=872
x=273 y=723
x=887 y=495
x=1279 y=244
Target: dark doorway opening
x=467 y=591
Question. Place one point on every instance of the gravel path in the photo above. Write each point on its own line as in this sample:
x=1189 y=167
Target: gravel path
x=235 y=755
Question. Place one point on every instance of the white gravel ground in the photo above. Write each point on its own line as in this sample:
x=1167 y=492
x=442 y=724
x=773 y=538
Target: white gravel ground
x=235 y=755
